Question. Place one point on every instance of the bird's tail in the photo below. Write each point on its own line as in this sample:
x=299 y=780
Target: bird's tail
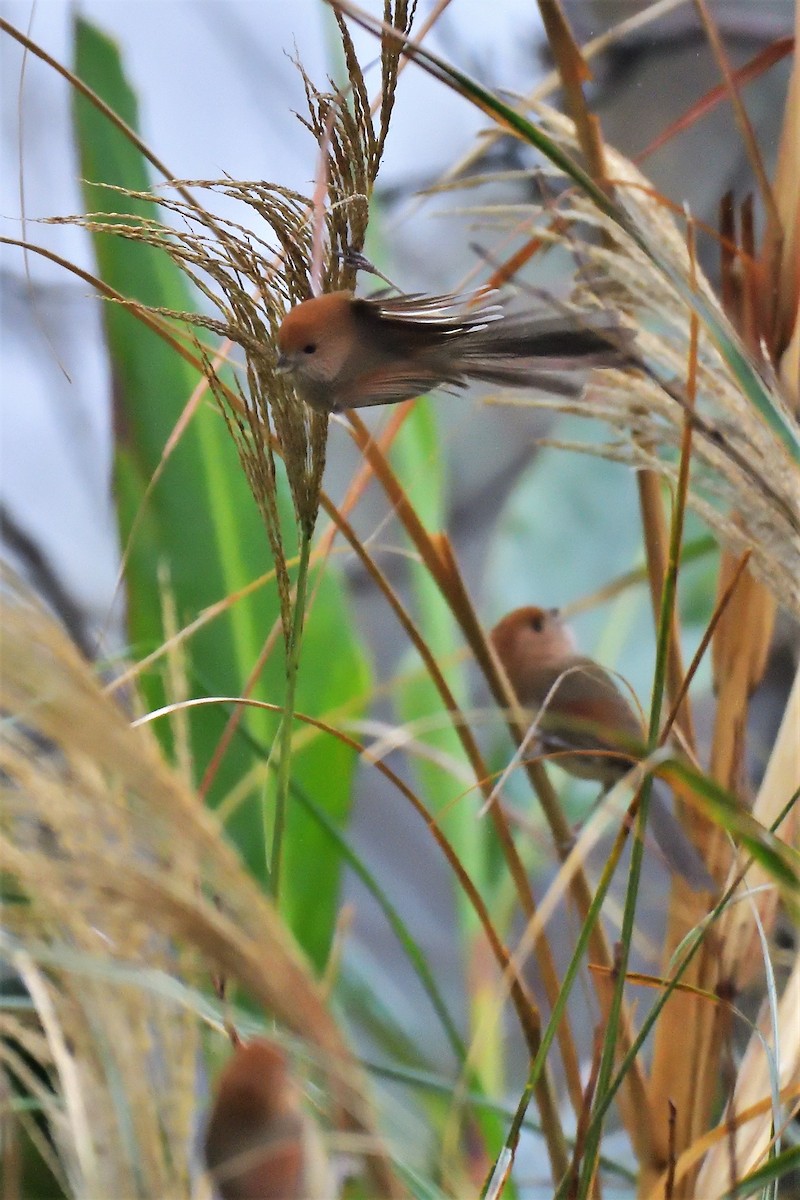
x=674 y=843
x=530 y=350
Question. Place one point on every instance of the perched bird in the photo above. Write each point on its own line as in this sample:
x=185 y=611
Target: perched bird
x=343 y=351
x=259 y=1144
x=583 y=710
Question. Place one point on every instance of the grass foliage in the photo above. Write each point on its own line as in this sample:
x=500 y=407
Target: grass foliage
x=174 y=837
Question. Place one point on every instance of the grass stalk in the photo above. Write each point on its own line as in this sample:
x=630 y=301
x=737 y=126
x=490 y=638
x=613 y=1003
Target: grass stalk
x=437 y=556
x=652 y=1018
x=582 y=944
x=634 y=1102
x=665 y=629
x=293 y=646
x=442 y=571
x=669 y=1087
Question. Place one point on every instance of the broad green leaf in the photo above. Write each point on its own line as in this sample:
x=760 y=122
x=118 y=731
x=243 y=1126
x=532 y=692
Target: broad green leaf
x=200 y=528
x=200 y=515
x=333 y=672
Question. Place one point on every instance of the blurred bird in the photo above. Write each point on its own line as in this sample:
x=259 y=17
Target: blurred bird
x=584 y=710
x=343 y=351
x=259 y=1144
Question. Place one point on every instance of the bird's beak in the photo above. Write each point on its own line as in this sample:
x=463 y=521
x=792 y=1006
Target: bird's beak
x=283 y=365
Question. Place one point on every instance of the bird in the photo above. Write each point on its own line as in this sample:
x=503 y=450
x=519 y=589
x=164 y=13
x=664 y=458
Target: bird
x=585 y=718
x=346 y=351
x=259 y=1144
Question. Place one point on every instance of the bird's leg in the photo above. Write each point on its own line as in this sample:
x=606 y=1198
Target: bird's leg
x=359 y=262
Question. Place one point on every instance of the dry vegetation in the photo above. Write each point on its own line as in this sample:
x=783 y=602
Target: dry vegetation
x=129 y=917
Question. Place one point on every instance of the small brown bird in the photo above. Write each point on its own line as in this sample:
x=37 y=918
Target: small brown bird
x=259 y=1144
x=583 y=709
x=343 y=351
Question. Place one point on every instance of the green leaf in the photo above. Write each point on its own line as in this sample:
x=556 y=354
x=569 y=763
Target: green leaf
x=779 y=1167
x=780 y=860
x=399 y=927
x=333 y=672
x=418 y=459
x=201 y=532
x=200 y=514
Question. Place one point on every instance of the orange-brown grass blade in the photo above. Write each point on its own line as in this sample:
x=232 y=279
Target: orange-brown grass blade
x=745 y=74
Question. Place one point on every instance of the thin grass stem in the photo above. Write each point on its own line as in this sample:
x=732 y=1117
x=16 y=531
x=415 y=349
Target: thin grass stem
x=285 y=733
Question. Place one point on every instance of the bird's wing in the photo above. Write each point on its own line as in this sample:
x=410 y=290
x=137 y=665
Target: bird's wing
x=587 y=707
x=394 y=382
x=461 y=312
x=410 y=324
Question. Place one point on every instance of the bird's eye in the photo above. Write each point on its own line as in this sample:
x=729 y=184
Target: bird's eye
x=310 y=348
x=537 y=622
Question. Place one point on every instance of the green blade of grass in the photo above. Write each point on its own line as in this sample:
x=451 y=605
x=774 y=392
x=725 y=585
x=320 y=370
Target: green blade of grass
x=322 y=766
x=202 y=522
x=779 y=1167
x=781 y=861
x=200 y=514
x=418 y=458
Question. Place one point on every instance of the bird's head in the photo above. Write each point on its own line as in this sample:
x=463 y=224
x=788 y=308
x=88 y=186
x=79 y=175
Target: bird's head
x=316 y=338
x=531 y=638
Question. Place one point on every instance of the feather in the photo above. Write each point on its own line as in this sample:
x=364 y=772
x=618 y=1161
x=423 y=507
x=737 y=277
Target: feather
x=391 y=385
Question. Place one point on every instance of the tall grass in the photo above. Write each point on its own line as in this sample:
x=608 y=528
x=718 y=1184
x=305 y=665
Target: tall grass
x=172 y=882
